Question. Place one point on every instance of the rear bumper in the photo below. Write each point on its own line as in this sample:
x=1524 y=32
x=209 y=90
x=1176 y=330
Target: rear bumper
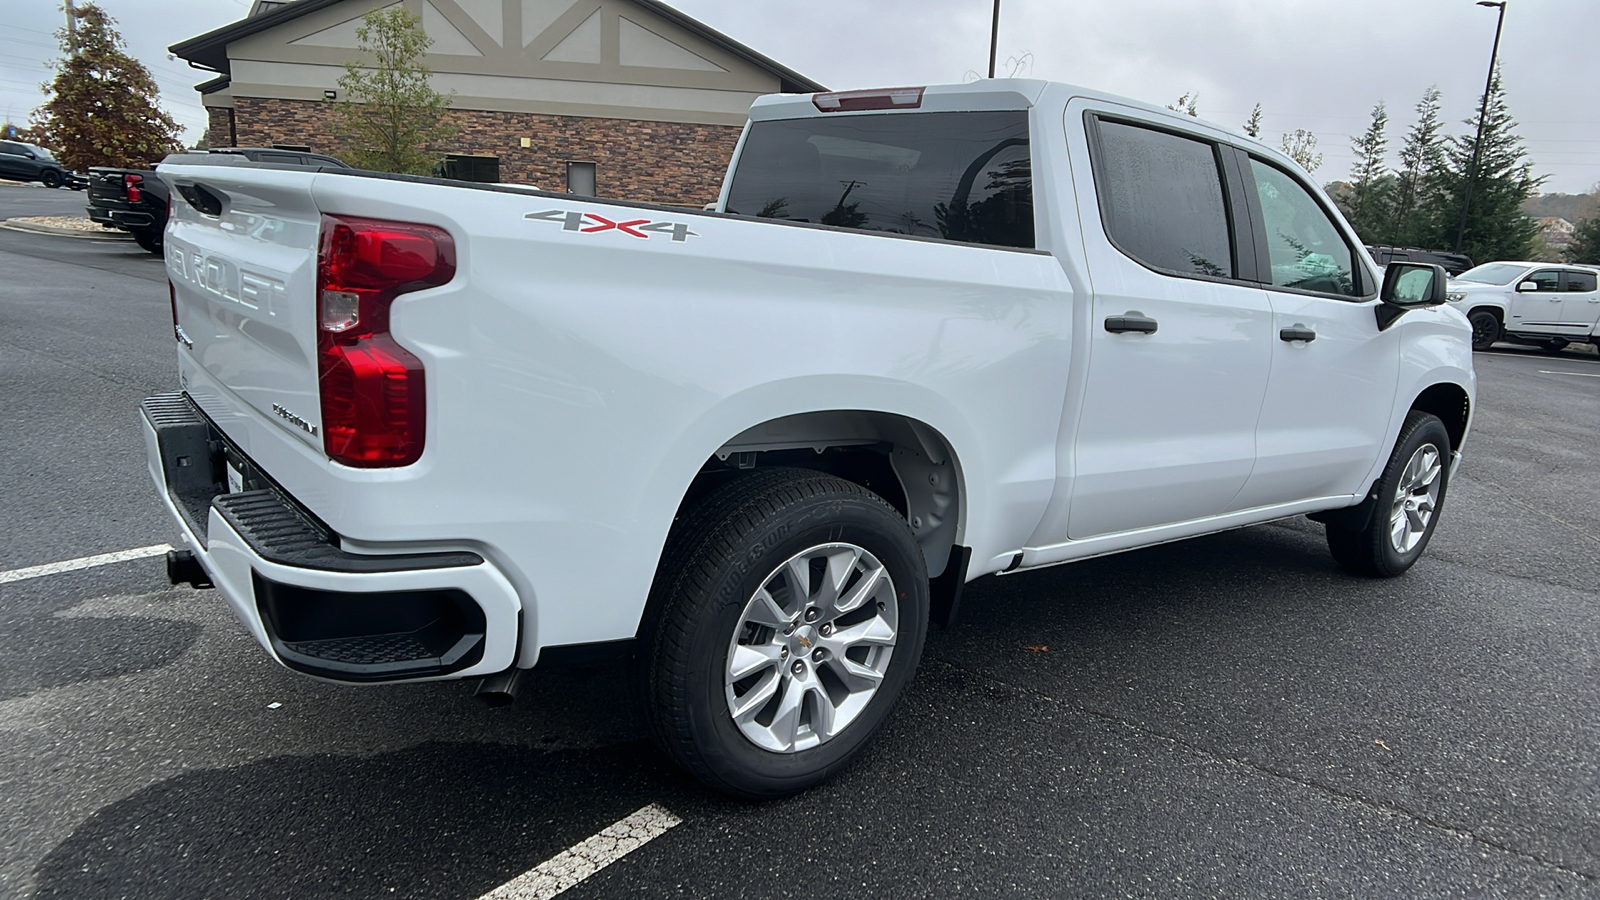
x=121 y=218
x=317 y=608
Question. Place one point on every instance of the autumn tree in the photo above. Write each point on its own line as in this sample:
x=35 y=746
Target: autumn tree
x=390 y=115
x=1368 y=204
x=102 y=108
x=1416 y=185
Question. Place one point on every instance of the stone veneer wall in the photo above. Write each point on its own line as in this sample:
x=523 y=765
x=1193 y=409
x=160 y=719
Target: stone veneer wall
x=219 y=126
x=651 y=162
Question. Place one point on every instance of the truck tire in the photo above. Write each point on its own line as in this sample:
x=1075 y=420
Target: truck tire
x=793 y=610
x=1410 y=494
x=50 y=178
x=1485 y=328
x=149 y=240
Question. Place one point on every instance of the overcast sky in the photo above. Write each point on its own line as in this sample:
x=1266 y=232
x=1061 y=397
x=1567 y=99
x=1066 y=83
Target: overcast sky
x=1315 y=64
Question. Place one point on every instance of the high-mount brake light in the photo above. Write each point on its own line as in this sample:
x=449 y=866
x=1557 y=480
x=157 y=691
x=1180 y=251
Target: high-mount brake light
x=374 y=405
x=852 y=101
x=132 y=185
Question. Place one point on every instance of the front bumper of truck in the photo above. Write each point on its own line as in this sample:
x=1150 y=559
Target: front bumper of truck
x=316 y=607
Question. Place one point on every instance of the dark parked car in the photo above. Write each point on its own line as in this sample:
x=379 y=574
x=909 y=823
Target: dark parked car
x=25 y=162
x=1454 y=263
x=135 y=200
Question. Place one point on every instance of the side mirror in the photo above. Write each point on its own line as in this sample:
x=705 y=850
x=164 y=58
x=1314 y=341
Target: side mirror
x=30 y=154
x=1408 y=286
x=1528 y=287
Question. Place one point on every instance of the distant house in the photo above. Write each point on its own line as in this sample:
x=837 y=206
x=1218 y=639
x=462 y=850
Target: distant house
x=1557 y=233
x=620 y=98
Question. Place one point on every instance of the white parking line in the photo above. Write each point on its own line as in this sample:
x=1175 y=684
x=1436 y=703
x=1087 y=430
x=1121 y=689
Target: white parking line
x=587 y=857
x=82 y=562
x=1577 y=374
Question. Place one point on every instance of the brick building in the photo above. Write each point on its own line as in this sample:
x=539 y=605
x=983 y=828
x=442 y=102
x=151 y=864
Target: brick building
x=622 y=98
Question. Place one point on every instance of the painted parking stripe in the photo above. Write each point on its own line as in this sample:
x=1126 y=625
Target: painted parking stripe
x=1575 y=374
x=83 y=562
x=574 y=864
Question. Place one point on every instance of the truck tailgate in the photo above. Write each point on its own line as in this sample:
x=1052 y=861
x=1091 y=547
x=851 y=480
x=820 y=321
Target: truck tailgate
x=244 y=287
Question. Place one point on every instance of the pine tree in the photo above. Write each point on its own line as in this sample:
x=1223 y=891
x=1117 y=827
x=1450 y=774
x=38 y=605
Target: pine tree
x=1416 y=190
x=1370 y=189
x=1585 y=246
x=1252 y=126
x=102 y=108
x=1495 y=226
x=391 y=112
x=1301 y=146
x=1188 y=104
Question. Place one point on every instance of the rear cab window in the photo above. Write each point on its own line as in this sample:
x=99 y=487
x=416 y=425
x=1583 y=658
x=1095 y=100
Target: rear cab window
x=956 y=176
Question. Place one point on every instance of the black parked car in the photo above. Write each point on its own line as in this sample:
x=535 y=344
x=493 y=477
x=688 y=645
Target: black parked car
x=1454 y=263
x=25 y=162
x=135 y=200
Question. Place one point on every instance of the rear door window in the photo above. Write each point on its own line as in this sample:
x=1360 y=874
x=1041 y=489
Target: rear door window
x=1161 y=199
x=1581 y=282
x=963 y=176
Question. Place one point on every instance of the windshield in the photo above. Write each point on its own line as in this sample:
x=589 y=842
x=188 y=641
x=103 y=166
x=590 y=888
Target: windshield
x=42 y=153
x=1493 y=273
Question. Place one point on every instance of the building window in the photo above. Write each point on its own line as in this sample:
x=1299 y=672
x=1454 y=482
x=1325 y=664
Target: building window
x=581 y=179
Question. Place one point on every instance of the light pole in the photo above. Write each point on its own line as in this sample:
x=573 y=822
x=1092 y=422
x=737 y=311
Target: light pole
x=994 y=37
x=1483 y=113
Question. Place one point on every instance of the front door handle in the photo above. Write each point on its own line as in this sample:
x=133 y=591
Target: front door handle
x=1133 y=320
x=1297 y=333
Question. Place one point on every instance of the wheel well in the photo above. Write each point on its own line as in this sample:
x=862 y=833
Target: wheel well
x=1449 y=402
x=904 y=461
x=1495 y=311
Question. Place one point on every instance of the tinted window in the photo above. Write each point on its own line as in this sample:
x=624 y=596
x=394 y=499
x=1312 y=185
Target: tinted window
x=1546 y=279
x=1580 y=282
x=1161 y=199
x=1305 y=248
x=13 y=149
x=958 y=176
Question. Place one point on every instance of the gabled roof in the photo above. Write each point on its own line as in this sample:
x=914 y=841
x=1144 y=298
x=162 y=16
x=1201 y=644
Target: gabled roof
x=210 y=50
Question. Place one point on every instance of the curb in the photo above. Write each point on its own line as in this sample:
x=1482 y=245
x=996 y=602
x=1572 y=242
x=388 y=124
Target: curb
x=66 y=232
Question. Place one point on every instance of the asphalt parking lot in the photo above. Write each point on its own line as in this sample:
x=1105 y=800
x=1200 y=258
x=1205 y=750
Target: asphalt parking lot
x=1228 y=716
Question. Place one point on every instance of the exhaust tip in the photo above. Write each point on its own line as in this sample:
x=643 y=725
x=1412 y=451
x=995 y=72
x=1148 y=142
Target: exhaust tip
x=500 y=688
x=183 y=568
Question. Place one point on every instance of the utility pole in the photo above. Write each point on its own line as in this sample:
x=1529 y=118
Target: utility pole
x=72 y=28
x=1483 y=113
x=994 y=36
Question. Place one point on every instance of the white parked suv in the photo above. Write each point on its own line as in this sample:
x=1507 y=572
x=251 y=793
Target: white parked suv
x=1548 y=304
x=430 y=430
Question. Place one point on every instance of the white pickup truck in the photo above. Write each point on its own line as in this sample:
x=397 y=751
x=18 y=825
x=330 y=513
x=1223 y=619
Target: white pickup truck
x=1529 y=302
x=431 y=430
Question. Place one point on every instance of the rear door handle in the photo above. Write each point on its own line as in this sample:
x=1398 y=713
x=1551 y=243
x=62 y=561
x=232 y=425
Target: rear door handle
x=1297 y=333
x=1131 y=321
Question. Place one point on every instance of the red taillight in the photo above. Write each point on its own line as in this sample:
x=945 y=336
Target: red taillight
x=374 y=408
x=851 y=101
x=172 y=295
x=131 y=183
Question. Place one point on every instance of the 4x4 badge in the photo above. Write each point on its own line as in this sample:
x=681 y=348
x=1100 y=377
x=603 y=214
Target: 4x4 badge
x=589 y=223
